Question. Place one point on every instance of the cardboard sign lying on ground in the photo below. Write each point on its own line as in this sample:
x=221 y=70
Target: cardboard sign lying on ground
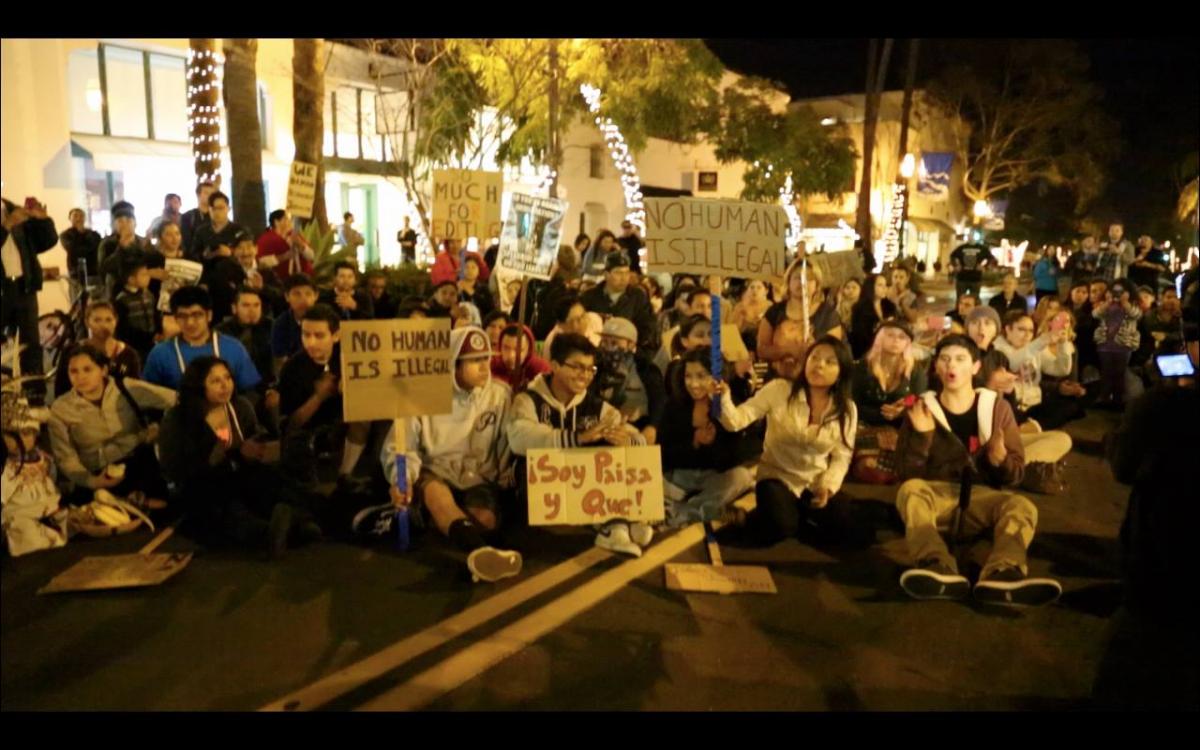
x=730 y=238
x=719 y=579
x=529 y=242
x=396 y=368
x=302 y=189
x=581 y=486
x=466 y=203
x=117 y=572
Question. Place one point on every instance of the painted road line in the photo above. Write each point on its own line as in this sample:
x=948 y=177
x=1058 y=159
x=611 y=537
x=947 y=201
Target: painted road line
x=477 y=658
x=354 y=676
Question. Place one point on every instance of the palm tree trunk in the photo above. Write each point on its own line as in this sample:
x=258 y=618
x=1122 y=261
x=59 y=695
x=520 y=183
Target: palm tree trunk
x=245 y=135
x=876 y=75
x=204 y=116
x=308 y=114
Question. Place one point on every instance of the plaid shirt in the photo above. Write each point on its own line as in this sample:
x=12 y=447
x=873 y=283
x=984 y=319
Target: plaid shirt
x=136 y=310
x=1108 y=265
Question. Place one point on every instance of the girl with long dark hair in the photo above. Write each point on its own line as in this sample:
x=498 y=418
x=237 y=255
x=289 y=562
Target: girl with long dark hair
x=210 y=451
x=872 y=307
x=811 y=424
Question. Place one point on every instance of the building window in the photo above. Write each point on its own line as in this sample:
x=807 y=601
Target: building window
x=168 y=96
x=355 y=125
x=597 y=161
x=83 y=82
x=125 y=81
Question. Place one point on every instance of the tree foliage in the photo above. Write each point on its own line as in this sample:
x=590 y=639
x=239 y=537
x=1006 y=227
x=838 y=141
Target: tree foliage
x=1032 y=113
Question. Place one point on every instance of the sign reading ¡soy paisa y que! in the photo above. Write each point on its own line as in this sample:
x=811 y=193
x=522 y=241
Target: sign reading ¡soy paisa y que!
x=396 y=368
x=581 y=486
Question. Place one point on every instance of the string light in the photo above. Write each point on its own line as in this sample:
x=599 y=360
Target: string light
x=787 y=197
x=635 y=210
x=203 y=119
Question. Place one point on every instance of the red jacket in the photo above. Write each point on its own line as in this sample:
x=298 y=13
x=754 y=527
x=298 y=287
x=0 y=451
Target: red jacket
x=531 y=368
x=270 y=244
x=445 y=267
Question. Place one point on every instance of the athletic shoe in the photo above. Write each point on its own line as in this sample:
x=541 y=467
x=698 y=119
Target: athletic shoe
x=277 y=530
x=641 y=533
x=1008 y=586
x=934 y=580
x=375 y=521
x=615 y=538
x=491 y=564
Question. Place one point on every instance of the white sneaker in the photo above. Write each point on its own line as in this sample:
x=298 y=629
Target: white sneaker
x=641 y=533
x=615 y=538
x=491 y=564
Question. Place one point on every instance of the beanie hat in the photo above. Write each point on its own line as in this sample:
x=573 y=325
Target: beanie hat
x=983 y=311
x=620 y=328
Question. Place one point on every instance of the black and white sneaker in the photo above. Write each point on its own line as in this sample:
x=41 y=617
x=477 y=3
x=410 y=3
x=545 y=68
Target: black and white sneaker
x=491 y=564
x=1008 y=586
x=934 y=580
x=375 y=521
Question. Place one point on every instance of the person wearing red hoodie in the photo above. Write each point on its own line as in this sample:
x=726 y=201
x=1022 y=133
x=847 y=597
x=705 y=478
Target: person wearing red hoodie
x=517 y=363
x=445 y=265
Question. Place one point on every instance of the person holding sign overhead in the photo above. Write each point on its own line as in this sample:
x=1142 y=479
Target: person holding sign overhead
x=783 y=333
x=559 y=412
x=457 y=464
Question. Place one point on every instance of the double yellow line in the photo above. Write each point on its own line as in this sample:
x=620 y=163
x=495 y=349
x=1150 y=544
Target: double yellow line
x=428 y=686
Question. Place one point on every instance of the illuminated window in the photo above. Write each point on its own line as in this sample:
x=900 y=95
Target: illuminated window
x=125 y=79
x=83 y=82
x=168 y=94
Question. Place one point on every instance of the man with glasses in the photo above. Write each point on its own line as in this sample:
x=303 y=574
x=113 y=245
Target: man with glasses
x=558 y=411
x=192 y=308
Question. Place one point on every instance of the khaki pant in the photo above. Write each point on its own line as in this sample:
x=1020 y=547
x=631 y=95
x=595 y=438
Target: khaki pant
x=1045 y=447
x=924 y=505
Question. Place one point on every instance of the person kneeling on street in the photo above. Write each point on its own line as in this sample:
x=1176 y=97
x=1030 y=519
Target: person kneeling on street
x=954 y=438
x=457 y=464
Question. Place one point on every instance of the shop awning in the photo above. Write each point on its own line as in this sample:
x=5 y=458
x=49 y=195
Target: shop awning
x=826 y=221
x=111 y=154
x=931 y=225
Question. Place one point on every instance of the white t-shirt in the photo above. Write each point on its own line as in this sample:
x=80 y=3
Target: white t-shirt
x=13 y=267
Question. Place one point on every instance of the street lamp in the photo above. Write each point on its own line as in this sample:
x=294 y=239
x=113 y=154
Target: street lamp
x=907 y=166
x=982 y=210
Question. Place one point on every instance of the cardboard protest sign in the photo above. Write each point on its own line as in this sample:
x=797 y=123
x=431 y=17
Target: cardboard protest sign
x=180 y=273
x=466 y=203
x=396 y=368
x=117 y=572
x=719 y=579
x=529 y=241
x=581 y=486
x=302 y=189
x=731 y=238
x=837 y=268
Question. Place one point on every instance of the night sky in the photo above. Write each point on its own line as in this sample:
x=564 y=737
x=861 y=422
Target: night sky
x=1152 y=88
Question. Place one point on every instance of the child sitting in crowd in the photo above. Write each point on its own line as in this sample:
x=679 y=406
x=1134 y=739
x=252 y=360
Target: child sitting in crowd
x=135 y=307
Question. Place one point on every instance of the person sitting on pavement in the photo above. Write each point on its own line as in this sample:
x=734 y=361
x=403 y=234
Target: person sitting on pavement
x=963 y=442
x=1063 y=396
x=558 y=411
x=101 y=424
x=958 y=316
x=872 y=308
x=495 y=323
x=212 y=454
x=282 y=249
x=903 y=296
x=1009 y=299
x=123 y=361
x=266 y=283
x=617 y=297
x=983 y=325
x=443 y=303
x=192 y=308
x=458 y=465
x=252 y=328
x=1024 y=353
x=310 y=400
x=517 y=363
x=136 y=307
x=223 y=273
x=301 y=294
x=1044 y=449
x=811 y=424
x=471 y=287
x=628 y=380
x=384 y=305
x=349 y=302
x=572 y=317
x=882 y=381
x=703 y=463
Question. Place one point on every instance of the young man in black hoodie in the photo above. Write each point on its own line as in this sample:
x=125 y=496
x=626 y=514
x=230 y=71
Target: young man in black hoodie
x=958 y=448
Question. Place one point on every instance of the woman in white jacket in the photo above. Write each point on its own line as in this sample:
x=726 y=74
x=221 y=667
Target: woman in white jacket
x=1024 y=354
x=809 y=443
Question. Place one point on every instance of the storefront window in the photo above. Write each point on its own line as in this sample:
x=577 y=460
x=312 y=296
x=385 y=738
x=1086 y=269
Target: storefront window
x=83 y=82
x=168 y=88
x=126 y=84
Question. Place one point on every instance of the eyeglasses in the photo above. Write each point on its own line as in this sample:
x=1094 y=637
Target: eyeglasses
x=582 y=370
x=192 y=315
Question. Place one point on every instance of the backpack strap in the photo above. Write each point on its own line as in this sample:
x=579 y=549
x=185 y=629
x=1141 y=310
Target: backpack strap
x=119 y=382
x=987 y=413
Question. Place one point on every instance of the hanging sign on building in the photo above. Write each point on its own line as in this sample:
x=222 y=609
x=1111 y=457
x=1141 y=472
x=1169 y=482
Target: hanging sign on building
x=933 y=176
x=895 y=228
x=529 y=240
x=730 y=238
x=302 y=189
x=466 y=203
